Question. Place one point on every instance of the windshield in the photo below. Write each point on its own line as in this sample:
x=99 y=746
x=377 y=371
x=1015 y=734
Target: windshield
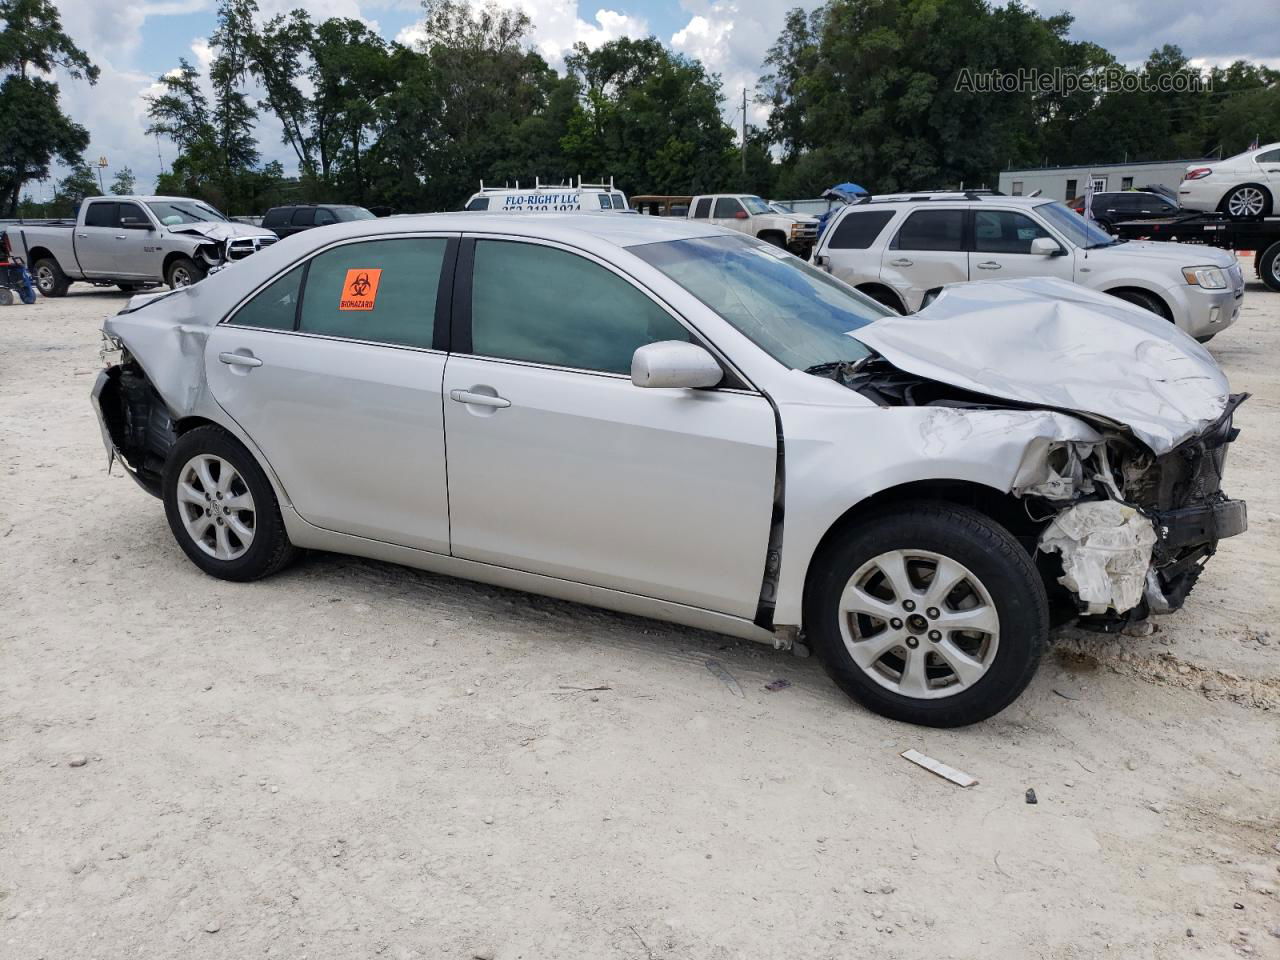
x=755 y=205
x=797 y=314
x=1081 y=232
x=174 y=212
x=353 y=213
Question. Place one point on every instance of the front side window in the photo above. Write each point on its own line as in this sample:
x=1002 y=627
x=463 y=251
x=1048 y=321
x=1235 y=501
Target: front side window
x=619 y=202
x=797 y=314
x=275 y=307
x=605 y=202
x=755 y=205
x=130 y=213
x=1078 y=230
x=348 y=214
x=324 y=217
x=379 y=290
x=1004 y=231
x=703 y=209
x=931 y=230
x=544 y=305
x=727 y=208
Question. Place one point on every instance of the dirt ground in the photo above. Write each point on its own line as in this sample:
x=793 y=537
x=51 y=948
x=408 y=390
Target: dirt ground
x=358 y=760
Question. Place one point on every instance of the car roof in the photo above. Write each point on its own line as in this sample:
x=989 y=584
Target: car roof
x=925 y=201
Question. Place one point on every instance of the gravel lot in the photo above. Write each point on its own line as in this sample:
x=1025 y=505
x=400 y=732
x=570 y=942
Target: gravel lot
x=359 y=760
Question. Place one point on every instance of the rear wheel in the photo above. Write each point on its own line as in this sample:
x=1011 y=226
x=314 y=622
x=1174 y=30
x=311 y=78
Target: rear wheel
x=50 y=280
x=1269 y=266
x=1246 y=202
x=932 y=614
x=183 y=272
x=221 y=507
x=883 y=297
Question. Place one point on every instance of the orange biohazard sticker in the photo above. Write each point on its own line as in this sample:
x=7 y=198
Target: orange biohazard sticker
x=360 y=289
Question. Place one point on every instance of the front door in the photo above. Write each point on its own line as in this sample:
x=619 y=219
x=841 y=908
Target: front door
x=1002 y=248
x=331 y=369
x=928 y=251
x=729 y=212
x=132 y=258
x=559 y=465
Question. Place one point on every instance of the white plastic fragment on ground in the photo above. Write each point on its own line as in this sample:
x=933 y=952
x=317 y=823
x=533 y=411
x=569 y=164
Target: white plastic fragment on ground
x=958 y=777
x=1106 y=550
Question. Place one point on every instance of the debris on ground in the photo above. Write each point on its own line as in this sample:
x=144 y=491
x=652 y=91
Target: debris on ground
x=958 y=777
x=773 y=686
x=724 y=676
x=1031 y=795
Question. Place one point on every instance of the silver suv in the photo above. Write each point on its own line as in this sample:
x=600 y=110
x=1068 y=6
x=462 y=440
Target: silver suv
x=897 y=248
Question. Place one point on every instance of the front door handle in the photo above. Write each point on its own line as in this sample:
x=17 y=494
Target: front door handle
x=901 y=262
x=479 y=399
x=240 y=359
x=989 y=265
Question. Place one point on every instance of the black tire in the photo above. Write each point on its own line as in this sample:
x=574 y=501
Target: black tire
x=49 y=278
x=775 y=240
x=1237 y=193
x=1269 y=266
x=269 y=550
x=129 y=287
x=990 y=553
x=180 y=268
x=1147 y=301
x=1103 y=224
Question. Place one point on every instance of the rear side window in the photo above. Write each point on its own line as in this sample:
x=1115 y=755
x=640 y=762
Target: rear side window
x=1271 y=156
x=535 y=303
x=304 y=217
x=931 y=230
x=275 y=307
x=859 y=229
x=478 y=203
x=100 y=215
x=380 y=290
x=276 y=217
x=324 y=216
x=703 y=209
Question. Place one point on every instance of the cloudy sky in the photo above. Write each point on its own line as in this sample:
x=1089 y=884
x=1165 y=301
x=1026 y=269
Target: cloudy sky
x=134 y=41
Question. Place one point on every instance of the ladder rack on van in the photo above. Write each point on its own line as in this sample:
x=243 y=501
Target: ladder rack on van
x=539 y=186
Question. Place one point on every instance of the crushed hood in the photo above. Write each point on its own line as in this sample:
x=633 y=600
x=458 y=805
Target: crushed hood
x=221 y=231
x=1056 y=344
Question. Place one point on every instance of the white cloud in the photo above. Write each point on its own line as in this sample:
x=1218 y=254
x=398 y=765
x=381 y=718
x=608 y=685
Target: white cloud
x=557 y=26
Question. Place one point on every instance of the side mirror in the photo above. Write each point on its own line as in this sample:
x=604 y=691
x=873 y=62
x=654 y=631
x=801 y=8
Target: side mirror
x=674 y=363
x=1045 y=247
x=740 y=215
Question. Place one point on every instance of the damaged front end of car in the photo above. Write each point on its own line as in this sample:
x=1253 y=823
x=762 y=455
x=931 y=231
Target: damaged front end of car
x=1125 y=522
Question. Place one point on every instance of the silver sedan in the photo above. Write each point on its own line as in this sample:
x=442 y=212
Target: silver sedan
x=676 y=421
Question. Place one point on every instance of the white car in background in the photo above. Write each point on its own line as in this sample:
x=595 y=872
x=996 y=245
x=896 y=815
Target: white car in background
x=896 y=249
x=1244 y=186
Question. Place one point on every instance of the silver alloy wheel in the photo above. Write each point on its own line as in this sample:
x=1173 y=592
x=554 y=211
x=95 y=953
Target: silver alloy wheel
x=181 y=277
x=45 y=280
x=216 y=507
x=919 y=624
x=1246 y=202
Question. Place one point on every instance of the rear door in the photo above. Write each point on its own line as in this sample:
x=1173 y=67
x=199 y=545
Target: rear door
x=560 y=466
x=928 y=251
x=303 y=219
x=1002 y=248
x=849 y=250
x=95 y=245
x=333 y=369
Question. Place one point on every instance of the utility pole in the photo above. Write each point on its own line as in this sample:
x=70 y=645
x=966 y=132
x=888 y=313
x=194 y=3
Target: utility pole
x=102 y=165
x=744 y=138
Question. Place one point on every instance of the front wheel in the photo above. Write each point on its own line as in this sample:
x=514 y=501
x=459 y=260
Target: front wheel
x=221 y=507
x=932 y=614
x=183 y=272
x=1147 y=301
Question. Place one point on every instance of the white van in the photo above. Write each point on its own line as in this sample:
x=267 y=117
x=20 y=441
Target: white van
x=546 y=198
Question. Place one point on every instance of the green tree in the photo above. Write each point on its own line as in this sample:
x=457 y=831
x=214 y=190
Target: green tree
x=124 y=183
x=32 y=43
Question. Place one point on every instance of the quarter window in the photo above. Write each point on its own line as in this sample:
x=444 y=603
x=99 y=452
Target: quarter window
x=380 y=290
x=543 y=305
x=932 y=230
x=1003 y=231
x=859 y=229
x=703 y=209
x=276 y=307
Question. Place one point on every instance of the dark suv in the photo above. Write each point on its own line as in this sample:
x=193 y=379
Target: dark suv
x=286 y=221
x=1109 y=208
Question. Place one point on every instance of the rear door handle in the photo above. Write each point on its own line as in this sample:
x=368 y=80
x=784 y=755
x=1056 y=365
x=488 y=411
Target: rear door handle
x=240 y=359
x=479 y=399
x=901 y=262
x=989 y=265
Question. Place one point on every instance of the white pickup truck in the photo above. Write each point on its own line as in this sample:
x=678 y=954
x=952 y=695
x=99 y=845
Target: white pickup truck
x=133 y=242
x=750 y=215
